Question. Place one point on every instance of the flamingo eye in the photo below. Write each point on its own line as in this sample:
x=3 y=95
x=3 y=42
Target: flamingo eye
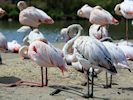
x=34 y=49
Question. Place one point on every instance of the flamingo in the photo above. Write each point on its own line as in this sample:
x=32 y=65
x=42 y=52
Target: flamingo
x=89 y=52
x=3 y=42
x=45 y=55
x=128 y=51
x=116 y=53
x=25 y=30
x=96 y=15
x=2 y=12
x=13 y=46
x=31 y=16
x=125 y=9
x=98 y=31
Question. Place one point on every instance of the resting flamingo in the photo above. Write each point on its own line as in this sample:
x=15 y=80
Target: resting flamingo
x=125 y=9
x=45 y=56
x=31 y=16
x=96 y=15
x=89 y=52
x=13 y=46
x=98 y=31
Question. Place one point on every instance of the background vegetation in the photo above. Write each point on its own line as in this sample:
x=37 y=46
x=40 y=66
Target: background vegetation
x=57 y=9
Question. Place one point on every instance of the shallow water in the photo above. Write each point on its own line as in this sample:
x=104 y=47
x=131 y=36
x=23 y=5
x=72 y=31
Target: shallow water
x=51 y=31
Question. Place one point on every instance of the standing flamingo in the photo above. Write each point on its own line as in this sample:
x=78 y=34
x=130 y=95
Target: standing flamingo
x=125 y=9
x=116 y=53
x=31 y=16
x=3 y=42
x=45 y=55
x=89 y=52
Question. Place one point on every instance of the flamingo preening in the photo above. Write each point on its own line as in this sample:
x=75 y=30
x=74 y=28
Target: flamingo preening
x=96 y=15
x=89 y=52
x=125 y=9
x=31 y=16
x=116 y=53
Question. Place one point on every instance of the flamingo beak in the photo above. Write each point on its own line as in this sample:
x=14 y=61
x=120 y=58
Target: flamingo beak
x=130 y=12
x=115 y=21
x=49 y=21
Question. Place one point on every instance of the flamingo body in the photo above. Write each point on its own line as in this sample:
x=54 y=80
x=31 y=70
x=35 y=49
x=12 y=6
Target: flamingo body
x=31 y=16
x=46 y=56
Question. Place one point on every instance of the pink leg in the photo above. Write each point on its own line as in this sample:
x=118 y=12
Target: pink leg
x=22 y=82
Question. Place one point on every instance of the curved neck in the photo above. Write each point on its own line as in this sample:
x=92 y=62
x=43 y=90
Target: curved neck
x=69 y=44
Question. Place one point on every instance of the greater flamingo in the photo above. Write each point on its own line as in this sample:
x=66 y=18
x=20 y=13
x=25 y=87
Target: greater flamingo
x=89 y=52
x=45 y=55
x=13 y=46
x=96 y=15
x=116 y=53
x=98 y=31
x=125 y=9
x=31 y=16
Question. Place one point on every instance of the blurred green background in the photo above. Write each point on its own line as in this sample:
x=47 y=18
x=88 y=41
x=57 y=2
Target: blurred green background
x=57 y=9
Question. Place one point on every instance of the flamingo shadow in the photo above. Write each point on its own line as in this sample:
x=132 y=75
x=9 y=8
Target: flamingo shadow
x=126 y=88
x=9 y=80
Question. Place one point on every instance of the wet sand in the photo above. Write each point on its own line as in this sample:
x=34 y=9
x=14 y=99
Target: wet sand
x=15 y=68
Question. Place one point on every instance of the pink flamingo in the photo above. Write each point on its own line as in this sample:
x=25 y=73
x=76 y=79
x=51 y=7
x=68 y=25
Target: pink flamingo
x=45 y=55
x=125 y=9
x=31 y=16
x=96 y=15
x=13 y=46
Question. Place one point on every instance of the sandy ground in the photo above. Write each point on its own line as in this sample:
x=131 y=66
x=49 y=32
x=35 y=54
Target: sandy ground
x=14 y=69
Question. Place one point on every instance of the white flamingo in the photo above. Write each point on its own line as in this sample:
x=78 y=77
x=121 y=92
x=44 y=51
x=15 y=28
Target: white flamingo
x=31 y=16
x=125 y=9
x=89 y=52
x=116 y=53
x=96 y=15
x=98 y=31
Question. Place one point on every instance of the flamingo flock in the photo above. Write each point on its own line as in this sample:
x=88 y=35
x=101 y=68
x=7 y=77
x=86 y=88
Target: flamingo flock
x=88 y=54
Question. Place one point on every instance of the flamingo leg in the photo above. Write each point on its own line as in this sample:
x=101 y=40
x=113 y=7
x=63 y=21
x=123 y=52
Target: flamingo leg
x=127 y=30
x=106 y=85
x=110 y=84
x=28 y=83
x=91 y=95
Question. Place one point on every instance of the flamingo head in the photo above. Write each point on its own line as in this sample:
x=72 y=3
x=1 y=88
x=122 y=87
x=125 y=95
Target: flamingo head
x=84 y=12
x=21 y=5
x=23 y=52
x=2 y=12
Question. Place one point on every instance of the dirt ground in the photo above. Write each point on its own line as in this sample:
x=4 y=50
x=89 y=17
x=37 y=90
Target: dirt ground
x=15 y=68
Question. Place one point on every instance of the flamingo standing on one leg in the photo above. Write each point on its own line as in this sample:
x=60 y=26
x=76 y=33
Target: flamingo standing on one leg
x=31 y=16
x=125 y=9
x=89 y=52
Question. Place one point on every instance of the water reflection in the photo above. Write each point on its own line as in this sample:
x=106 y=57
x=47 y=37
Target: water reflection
x=51 y=31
